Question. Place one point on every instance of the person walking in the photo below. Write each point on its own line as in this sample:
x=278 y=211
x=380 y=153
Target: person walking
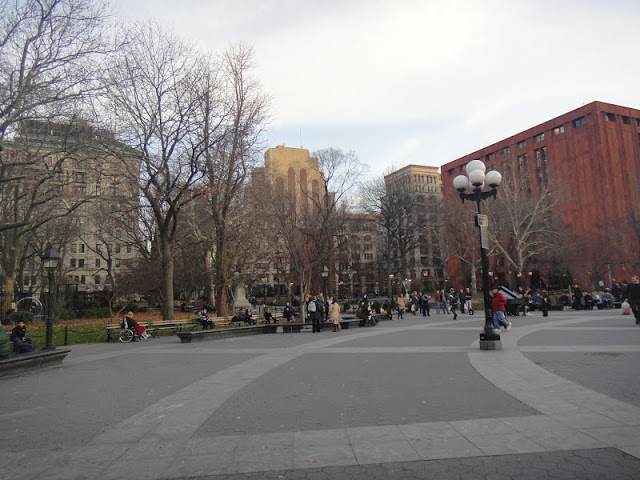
x=445 y=301
x=424 y=305
x=498 y=305
x=401 y=305
x=633 y=296
x=436 y=298
x=468 y=301
x=315 y=318
x=334 y=314
x=454 y=307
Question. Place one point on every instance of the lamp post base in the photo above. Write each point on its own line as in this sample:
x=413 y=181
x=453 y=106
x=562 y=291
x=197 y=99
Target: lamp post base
x=490 y=341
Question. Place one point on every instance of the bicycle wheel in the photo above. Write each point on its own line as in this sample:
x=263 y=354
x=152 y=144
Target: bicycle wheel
x=125 y=336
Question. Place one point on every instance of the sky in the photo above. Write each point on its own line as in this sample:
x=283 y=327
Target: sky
x=417 y=82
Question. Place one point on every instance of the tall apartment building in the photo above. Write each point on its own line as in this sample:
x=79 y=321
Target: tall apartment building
x=95 y=240
x=590 y=159
x=357 y=258
x=295 y=171
x=418 y=190
x=352 y=266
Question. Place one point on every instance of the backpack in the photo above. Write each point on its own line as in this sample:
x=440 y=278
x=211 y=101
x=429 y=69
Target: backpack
x=311 y=308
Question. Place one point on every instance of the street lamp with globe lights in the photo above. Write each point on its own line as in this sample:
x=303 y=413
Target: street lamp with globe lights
x=475 y=181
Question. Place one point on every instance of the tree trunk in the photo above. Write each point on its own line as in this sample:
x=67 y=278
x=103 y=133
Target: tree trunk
x=221 y=268
x=166 y=246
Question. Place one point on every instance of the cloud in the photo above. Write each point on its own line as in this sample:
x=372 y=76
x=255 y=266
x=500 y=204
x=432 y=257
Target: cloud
x=421 y=81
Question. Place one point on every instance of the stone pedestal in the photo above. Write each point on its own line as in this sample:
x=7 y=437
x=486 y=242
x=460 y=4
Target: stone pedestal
x=490 y=341
x=241 y=298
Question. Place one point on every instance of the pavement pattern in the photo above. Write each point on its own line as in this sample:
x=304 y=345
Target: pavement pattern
x=411 y=398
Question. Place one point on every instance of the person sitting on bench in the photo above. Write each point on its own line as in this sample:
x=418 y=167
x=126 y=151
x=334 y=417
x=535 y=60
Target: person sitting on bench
x=21 y=343
x=203 y=319
x=268 y=317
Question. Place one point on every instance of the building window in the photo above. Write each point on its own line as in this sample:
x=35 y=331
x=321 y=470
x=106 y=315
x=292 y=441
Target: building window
x=541 y=156
x=117 y=248
x=74 y=248
x=98 y=247
x=451 y=171
x=81 y=263
x=538 y=138
x=82 y=279
x=81 y=247
x=117 y=262
x=609 y=117
x=505 y=151
x=72 y=262
x=626 y=120
x=128 y=248
x=80 y=177
x=96 y=279
x=522 y=144
x=109 y=247
x=558 y=130
x=637 y=122
x=578 y=122
x=491 y=157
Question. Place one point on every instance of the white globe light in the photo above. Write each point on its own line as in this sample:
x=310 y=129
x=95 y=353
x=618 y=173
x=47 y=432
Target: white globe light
x=461 y=183
x=475 y=165
x=493 y=178
x=476 y=177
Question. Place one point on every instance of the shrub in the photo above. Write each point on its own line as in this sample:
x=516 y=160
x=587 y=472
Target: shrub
x=26 y=317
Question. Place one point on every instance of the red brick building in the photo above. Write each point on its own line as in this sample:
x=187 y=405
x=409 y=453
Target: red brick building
x=590 y=158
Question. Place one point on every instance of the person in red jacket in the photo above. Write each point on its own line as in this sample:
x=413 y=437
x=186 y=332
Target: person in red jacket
x=498 y=303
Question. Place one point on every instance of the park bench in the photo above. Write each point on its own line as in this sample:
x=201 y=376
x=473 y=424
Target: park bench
x=153 y=327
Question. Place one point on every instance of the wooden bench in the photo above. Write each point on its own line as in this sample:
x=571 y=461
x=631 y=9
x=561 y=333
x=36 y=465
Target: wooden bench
x=153 y=327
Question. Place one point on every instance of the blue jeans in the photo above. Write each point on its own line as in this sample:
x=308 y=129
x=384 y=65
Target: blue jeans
x=17 y=342
x=498 y=319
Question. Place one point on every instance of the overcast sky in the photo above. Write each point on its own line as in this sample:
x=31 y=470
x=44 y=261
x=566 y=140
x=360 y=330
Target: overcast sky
x=418 y=82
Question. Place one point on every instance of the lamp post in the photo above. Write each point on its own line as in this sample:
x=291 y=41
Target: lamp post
x=50 y=261
x=475 y=181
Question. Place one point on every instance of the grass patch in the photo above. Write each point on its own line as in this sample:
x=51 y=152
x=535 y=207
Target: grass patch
x=83 y=331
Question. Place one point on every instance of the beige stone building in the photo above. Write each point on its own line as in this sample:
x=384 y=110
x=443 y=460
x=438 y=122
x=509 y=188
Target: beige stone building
x=425 y=262
x=295 y=171
x=96 y=241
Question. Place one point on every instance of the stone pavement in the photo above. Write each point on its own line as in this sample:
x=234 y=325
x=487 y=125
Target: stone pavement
x=412 y=398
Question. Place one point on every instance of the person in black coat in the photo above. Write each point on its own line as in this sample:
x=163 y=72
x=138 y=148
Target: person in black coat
x=268 y=316
x=633 y=295
x=287 y=313
x=21 y=343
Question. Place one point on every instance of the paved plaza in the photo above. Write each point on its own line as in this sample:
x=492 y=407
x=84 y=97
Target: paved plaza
x=412 y=398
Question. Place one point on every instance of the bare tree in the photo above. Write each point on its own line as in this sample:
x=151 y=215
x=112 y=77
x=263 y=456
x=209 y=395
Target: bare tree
x=462 y=241
x=48 y=55
x=153 y=96
x=400 y=212
x=522 y=226
x=232 y=131
x=49 y=50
